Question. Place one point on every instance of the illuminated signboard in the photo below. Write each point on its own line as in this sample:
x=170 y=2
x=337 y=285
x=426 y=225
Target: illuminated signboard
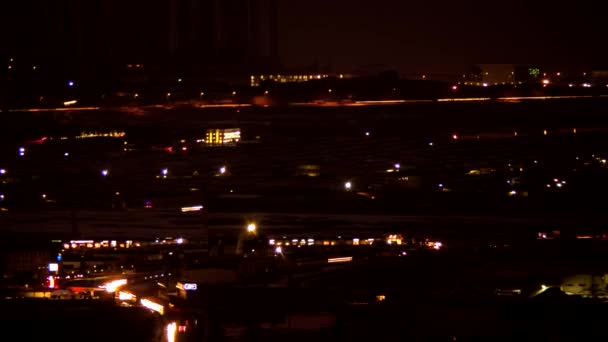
x=190 y=287
x=53 y=267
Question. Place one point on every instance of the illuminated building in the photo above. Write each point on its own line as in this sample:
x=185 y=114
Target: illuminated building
x=473 y=76
x=256 y=80
x=495 y=74
x=501 y=74
x=222 y=137
x=527 y=74
x=29 y=256
x=586 y=285
x=25 y=260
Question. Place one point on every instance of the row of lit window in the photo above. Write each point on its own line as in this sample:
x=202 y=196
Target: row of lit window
x=291 y=77
x=101 y=244
x=256 y=80
x=222 y=136
x=113 y=134
x=394 y=239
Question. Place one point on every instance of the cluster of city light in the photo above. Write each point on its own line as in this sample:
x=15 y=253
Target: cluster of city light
x=394 y=239
x=395 y=168
x=114 y=285
x=557 y=183
x=153 y=306
x=192 y=209
x=170 y=241
x=112 y=134
x=312 y=242
x=434 y=244
x=126 y=296
x=255 y=80
x=100 y=244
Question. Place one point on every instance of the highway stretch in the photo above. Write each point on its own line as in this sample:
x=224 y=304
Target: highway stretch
x=150 y=224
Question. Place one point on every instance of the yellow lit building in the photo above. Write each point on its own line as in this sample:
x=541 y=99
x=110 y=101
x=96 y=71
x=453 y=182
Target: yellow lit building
x=309 y=170
x=222 y=137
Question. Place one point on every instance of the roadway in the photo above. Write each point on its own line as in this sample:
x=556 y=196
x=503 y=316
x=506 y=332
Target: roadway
x=360 y=103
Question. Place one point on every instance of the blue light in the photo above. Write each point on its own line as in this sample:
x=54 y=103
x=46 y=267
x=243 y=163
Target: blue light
x=70 y=83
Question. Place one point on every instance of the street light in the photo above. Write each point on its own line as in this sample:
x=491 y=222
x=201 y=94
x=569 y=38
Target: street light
x=348 y=186
x=222 y=170
x=251 y=228
x=104 y=172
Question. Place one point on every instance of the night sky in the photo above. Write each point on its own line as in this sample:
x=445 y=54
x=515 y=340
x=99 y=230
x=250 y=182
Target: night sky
x=441 y=35
x=409 y=36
